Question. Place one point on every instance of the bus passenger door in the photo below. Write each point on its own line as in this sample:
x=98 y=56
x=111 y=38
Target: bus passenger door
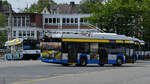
x=72 y=53
x=103 y=56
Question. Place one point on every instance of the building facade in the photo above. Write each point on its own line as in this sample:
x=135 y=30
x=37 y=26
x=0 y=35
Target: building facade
x=26 y=25
x=65 y=23
x=62 y=18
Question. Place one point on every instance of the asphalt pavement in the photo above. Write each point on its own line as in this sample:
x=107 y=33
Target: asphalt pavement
x=36 y=72
x=136 y=75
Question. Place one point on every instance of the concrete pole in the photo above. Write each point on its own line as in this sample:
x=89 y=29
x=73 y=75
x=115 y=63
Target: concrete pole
x=10 y=22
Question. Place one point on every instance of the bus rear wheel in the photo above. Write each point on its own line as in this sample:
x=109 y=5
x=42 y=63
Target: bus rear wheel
x=83 y=61
x=119 y=62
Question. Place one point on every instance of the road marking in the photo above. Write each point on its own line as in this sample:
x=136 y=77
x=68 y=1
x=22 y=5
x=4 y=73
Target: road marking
x=41 y=79
x=54 y=77
x=59 y=76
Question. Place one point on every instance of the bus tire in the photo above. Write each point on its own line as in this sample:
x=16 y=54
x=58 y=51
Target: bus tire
x=34 y=58
x=83 y=61
x=119 y=61
x=77 y=65
x=101 y=65
x=65 y=64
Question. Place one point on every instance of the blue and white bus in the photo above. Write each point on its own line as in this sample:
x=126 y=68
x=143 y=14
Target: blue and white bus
x=83 y=49
x=18 y=49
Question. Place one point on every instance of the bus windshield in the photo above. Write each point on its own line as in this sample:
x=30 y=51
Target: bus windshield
x=31 y=45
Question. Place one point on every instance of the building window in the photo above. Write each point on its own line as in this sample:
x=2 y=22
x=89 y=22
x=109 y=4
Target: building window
x=24 y=33
x=28 y=33
x=27 y=21
x=46 y=20
x=58 y=20
x=54 y=20
x=44 y=11
x=19 y=21
x=76 y=20
x=20 y=34
x=72 y=21
x=14 y=33
x=23 y=21
x=32 y=33
x=64 y=20
x=50 y=20
x=67 y=20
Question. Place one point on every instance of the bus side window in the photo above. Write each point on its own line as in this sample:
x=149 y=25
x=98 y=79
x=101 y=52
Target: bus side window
x=94 y=51
x=127 y=50
x=65 y=47
x=84 y=48
x=94 y=47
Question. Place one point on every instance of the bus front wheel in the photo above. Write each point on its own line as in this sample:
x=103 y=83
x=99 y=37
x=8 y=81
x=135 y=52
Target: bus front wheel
x=65 y=64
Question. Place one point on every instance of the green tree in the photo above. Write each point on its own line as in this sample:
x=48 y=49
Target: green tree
x=39 y=6
x=146 y=19
x=3 y=34
x=120 y=16
x=85 y=5
x=2 y=20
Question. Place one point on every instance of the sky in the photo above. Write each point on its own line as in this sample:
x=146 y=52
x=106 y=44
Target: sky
x=21 y=4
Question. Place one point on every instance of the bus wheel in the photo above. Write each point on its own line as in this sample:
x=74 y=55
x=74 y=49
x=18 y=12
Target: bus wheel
x=34 y=58
x=119 y=62
x=101 y=64
x=83 y=61
x=65 y=64
x=77 y=65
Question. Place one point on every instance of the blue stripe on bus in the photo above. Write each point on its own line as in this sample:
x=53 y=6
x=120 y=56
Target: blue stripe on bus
x=93 y=61
x=65 y=61
x=111 y=61
x=51 y=61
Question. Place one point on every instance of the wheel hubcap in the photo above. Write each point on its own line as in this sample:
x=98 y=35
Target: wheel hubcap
x=119 y=61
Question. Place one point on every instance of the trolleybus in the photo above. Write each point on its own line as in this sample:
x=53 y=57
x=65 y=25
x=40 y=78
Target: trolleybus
x=83 y=49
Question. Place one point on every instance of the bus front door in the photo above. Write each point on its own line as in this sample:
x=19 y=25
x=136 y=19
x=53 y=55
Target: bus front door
x=72 y=54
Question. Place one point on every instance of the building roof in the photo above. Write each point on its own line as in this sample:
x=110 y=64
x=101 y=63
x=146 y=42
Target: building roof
x=4 y=8
x=71 y=8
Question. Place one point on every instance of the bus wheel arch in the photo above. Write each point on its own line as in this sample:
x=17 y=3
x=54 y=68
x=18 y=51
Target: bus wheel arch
x=83 y=61
x=119 y=61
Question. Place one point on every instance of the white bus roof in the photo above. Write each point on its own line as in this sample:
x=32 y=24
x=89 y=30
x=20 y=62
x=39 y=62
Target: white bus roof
x=108 y=36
